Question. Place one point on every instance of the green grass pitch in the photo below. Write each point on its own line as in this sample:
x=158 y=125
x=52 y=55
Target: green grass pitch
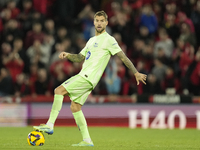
x=104 y=138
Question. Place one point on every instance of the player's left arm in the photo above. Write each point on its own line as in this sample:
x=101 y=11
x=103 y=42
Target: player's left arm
x=139 y=76
x=72 y=57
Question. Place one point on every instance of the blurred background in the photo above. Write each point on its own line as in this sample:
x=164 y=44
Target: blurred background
x=160 y=37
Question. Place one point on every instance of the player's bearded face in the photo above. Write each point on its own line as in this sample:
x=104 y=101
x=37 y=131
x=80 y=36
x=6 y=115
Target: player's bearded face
x=100 y=24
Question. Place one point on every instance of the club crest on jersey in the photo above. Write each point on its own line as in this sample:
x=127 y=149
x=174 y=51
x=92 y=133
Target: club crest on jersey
x=88 y=55
x=95 y=44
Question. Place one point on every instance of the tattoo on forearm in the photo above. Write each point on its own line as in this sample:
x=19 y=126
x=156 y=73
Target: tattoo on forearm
x=75 y=57
x=126 y=61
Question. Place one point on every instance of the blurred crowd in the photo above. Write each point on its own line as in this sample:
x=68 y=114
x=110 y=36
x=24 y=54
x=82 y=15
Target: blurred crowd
x=161 y=38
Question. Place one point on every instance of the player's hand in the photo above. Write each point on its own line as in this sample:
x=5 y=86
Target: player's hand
x=140 y=77
x=63 y=55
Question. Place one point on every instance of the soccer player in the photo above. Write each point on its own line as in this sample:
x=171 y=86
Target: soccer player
x=95 y=55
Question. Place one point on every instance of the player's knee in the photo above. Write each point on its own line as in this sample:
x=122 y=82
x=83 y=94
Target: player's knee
x=57 y=91
x=60 y=90
x=75 y=107
x=72 y=108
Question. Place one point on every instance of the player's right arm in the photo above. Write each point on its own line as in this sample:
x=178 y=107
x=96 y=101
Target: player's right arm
x=72 y=57
x=115 y=49
x=129 y=64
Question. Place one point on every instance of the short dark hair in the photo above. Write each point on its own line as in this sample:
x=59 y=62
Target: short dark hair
x=101 y=13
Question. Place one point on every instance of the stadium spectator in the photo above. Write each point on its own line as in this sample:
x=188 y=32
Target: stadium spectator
x=135 y=51
x=188 y=6
x=21 y=86
x=14 y=10
x=119 y=22
x=5 y=83
x=170 y=81
x=6 y=15
x=153 y=86
x=14 y=64
x=35 y=34
x=79 y=43
x=157 y=8
x=180 y=46
x=141 y=66
x=122 y=45
x=46 y=49
x=26 y=9
x=195 y=17
x=39 y=53
x=25 y=16
x=86 y=18
x=61 y=34
x=186 y=35
x=49 y=27
x=59 y=47
x=134 y=5
x=5 y=51
x=1 y=25
x=170 y=8
x=171 y=27
x=129 y=84
x=18 y=47
x=112 y=80
x=147 y=56
x=12 y=31
x=113 y=12
x=159 y=69
x=42 y=85
x=60 y=71
x=40 y=6
x=165 y=43
x=148 y=19
x=64 y=12
x=67 y=43
x=182 y=18
x=186 y=58
x=162 y=56
x=144 y=34
x=192 y=77
x=33 y=77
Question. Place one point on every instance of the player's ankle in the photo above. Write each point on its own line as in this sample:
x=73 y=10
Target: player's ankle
x=88 y=140
x=51 y=125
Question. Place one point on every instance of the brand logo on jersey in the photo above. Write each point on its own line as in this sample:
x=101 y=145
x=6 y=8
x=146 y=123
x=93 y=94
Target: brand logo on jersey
x=95 y=44
x=66 y=82
x=114 y=43
x=88 y=55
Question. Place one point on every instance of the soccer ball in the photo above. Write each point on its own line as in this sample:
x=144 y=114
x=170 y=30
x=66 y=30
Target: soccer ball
x=35 y=138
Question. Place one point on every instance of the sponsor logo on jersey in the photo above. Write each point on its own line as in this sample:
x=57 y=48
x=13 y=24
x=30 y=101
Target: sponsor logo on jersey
x=88 y=55
x=95 y=44
x=114 y=43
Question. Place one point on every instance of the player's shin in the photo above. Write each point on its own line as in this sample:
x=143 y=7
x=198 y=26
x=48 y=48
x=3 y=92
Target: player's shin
x=56 y=107
x=81 y=123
